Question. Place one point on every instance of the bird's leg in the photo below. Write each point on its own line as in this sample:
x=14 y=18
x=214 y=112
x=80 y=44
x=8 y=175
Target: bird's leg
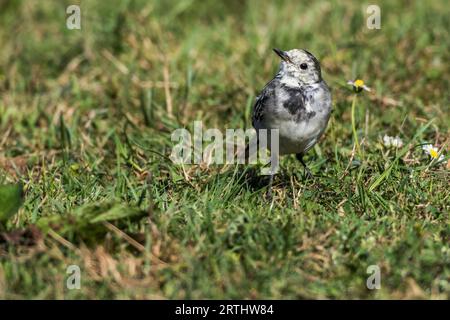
x=308 y=173
x=269 y=190
x=274 y=162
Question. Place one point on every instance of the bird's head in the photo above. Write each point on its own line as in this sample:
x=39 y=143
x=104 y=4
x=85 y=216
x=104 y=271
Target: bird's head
x=300 y=65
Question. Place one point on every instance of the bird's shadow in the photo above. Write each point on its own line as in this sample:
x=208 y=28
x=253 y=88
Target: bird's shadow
x=254 y=180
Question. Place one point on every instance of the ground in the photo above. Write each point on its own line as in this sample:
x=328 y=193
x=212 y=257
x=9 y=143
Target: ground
x=86 y=118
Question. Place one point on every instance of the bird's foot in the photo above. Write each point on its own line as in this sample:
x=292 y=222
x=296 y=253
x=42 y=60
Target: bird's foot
x=308 y=174
x=268 y=195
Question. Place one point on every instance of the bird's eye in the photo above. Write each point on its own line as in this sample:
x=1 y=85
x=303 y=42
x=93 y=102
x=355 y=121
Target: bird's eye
x=304 y=66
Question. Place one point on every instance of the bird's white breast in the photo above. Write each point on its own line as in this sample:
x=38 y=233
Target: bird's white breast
x=298 y=136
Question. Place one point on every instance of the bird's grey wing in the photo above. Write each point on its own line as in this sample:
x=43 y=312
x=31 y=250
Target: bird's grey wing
x=265 y=98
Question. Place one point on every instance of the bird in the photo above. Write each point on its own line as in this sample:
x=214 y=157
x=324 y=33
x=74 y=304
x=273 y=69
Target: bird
x=297 y=102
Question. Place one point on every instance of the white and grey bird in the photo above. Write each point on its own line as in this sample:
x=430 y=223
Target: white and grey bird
x=297 y=102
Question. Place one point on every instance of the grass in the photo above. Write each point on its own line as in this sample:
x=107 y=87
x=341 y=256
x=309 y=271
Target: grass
x=85 y=123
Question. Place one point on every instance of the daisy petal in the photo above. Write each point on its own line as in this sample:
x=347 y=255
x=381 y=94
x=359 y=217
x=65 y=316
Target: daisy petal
x=427 y=148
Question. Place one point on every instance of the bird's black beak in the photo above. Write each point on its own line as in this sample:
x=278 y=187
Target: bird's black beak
x=282 y=54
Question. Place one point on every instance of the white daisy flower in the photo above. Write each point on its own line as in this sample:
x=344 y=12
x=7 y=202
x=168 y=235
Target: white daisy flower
x=392 y=142
x=433 y=152
x=358 y=85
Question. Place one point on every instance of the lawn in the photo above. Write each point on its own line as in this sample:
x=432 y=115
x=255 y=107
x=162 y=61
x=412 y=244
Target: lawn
x=86 y=118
